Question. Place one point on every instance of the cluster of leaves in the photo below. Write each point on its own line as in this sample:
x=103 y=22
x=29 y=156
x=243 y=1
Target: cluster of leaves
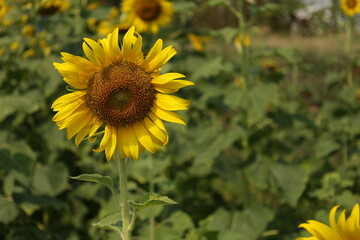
x=272 y=137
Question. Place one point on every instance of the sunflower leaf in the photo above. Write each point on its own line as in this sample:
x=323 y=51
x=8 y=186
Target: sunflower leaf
x=97 y=178
x=111 y=222
x=150 y=200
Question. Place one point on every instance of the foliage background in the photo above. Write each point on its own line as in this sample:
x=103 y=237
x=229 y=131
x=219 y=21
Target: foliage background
x=272 y=137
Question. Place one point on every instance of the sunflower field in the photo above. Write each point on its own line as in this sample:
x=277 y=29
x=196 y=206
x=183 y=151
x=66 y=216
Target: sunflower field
x=179 y=120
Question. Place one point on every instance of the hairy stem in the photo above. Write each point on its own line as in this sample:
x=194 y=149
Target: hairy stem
x=151 y=189
x=123 y=196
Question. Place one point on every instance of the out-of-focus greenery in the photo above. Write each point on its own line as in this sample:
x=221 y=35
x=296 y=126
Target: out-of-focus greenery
x=272 y=139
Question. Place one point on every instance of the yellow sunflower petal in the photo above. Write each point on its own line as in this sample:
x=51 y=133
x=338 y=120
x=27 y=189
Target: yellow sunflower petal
x=320 y=230
x=172 y=86
x=132 y=44
x=131 y=146
x=163 y=57
x=332 y=219
x=128 y=41
x=81 y=63
x=122 y=131
x=143 y=137
x=81 y=135
x=158 y=122
x=78 y=123
x=156 y=131
x=97 y=124
x=72 y=76
x=168 y=116
x=70 y=109
x=114 y=45
x=104 y=141
x=112 y=144
x=98 y=53
x=165 y=78
x=67 y=99
x=169 y=102
x=120 y=145
x=154 y=51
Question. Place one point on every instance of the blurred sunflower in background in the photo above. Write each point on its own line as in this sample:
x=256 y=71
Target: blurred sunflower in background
x=350 y=7
x=147 y=15
x=241 y=41
x=343 y=229
x=121 y=90
x=50 y=7
x=3 y=10
x=270 y=65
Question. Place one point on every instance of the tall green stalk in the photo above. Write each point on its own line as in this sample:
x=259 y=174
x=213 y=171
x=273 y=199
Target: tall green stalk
x=151 y=189
x=349 y=48
x=122 y=166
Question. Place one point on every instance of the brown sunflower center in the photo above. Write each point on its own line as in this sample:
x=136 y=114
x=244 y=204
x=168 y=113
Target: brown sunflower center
x=120 y=94
x=48 y=10
x=148 y=10
x=351 y=3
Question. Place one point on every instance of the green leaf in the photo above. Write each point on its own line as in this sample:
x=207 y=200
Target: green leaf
x=97 y=178
x=151 y=199
x=31 y=203
x=204 y=160
x=211 y=67
x=291 y=180
x=8 y=210
x=213 y=3
x=181 y=221
x=261 y=97
x=51 y=179
x=17 y=156
x=325 y=145
x=231 y=235
x=111 y=222
x=218 y=221
x=252 y=222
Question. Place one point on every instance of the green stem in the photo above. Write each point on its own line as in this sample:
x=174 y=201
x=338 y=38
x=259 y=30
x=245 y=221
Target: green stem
x=151 y=189
x=295 y=73
x=349 y=36
x=123 y=195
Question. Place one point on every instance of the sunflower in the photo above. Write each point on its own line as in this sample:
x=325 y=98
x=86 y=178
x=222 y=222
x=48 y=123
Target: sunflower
x=350 y=7
x=343 y=229
x=147 y=15
x=122 y=91
x=51 y=7
x=3 y=10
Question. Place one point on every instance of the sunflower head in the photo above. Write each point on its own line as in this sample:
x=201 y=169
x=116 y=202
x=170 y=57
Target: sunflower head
x=350 y=7
x=122 y=92
x=3 y=10
x=342 y=229
x=147 y=15
x=51 y=7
